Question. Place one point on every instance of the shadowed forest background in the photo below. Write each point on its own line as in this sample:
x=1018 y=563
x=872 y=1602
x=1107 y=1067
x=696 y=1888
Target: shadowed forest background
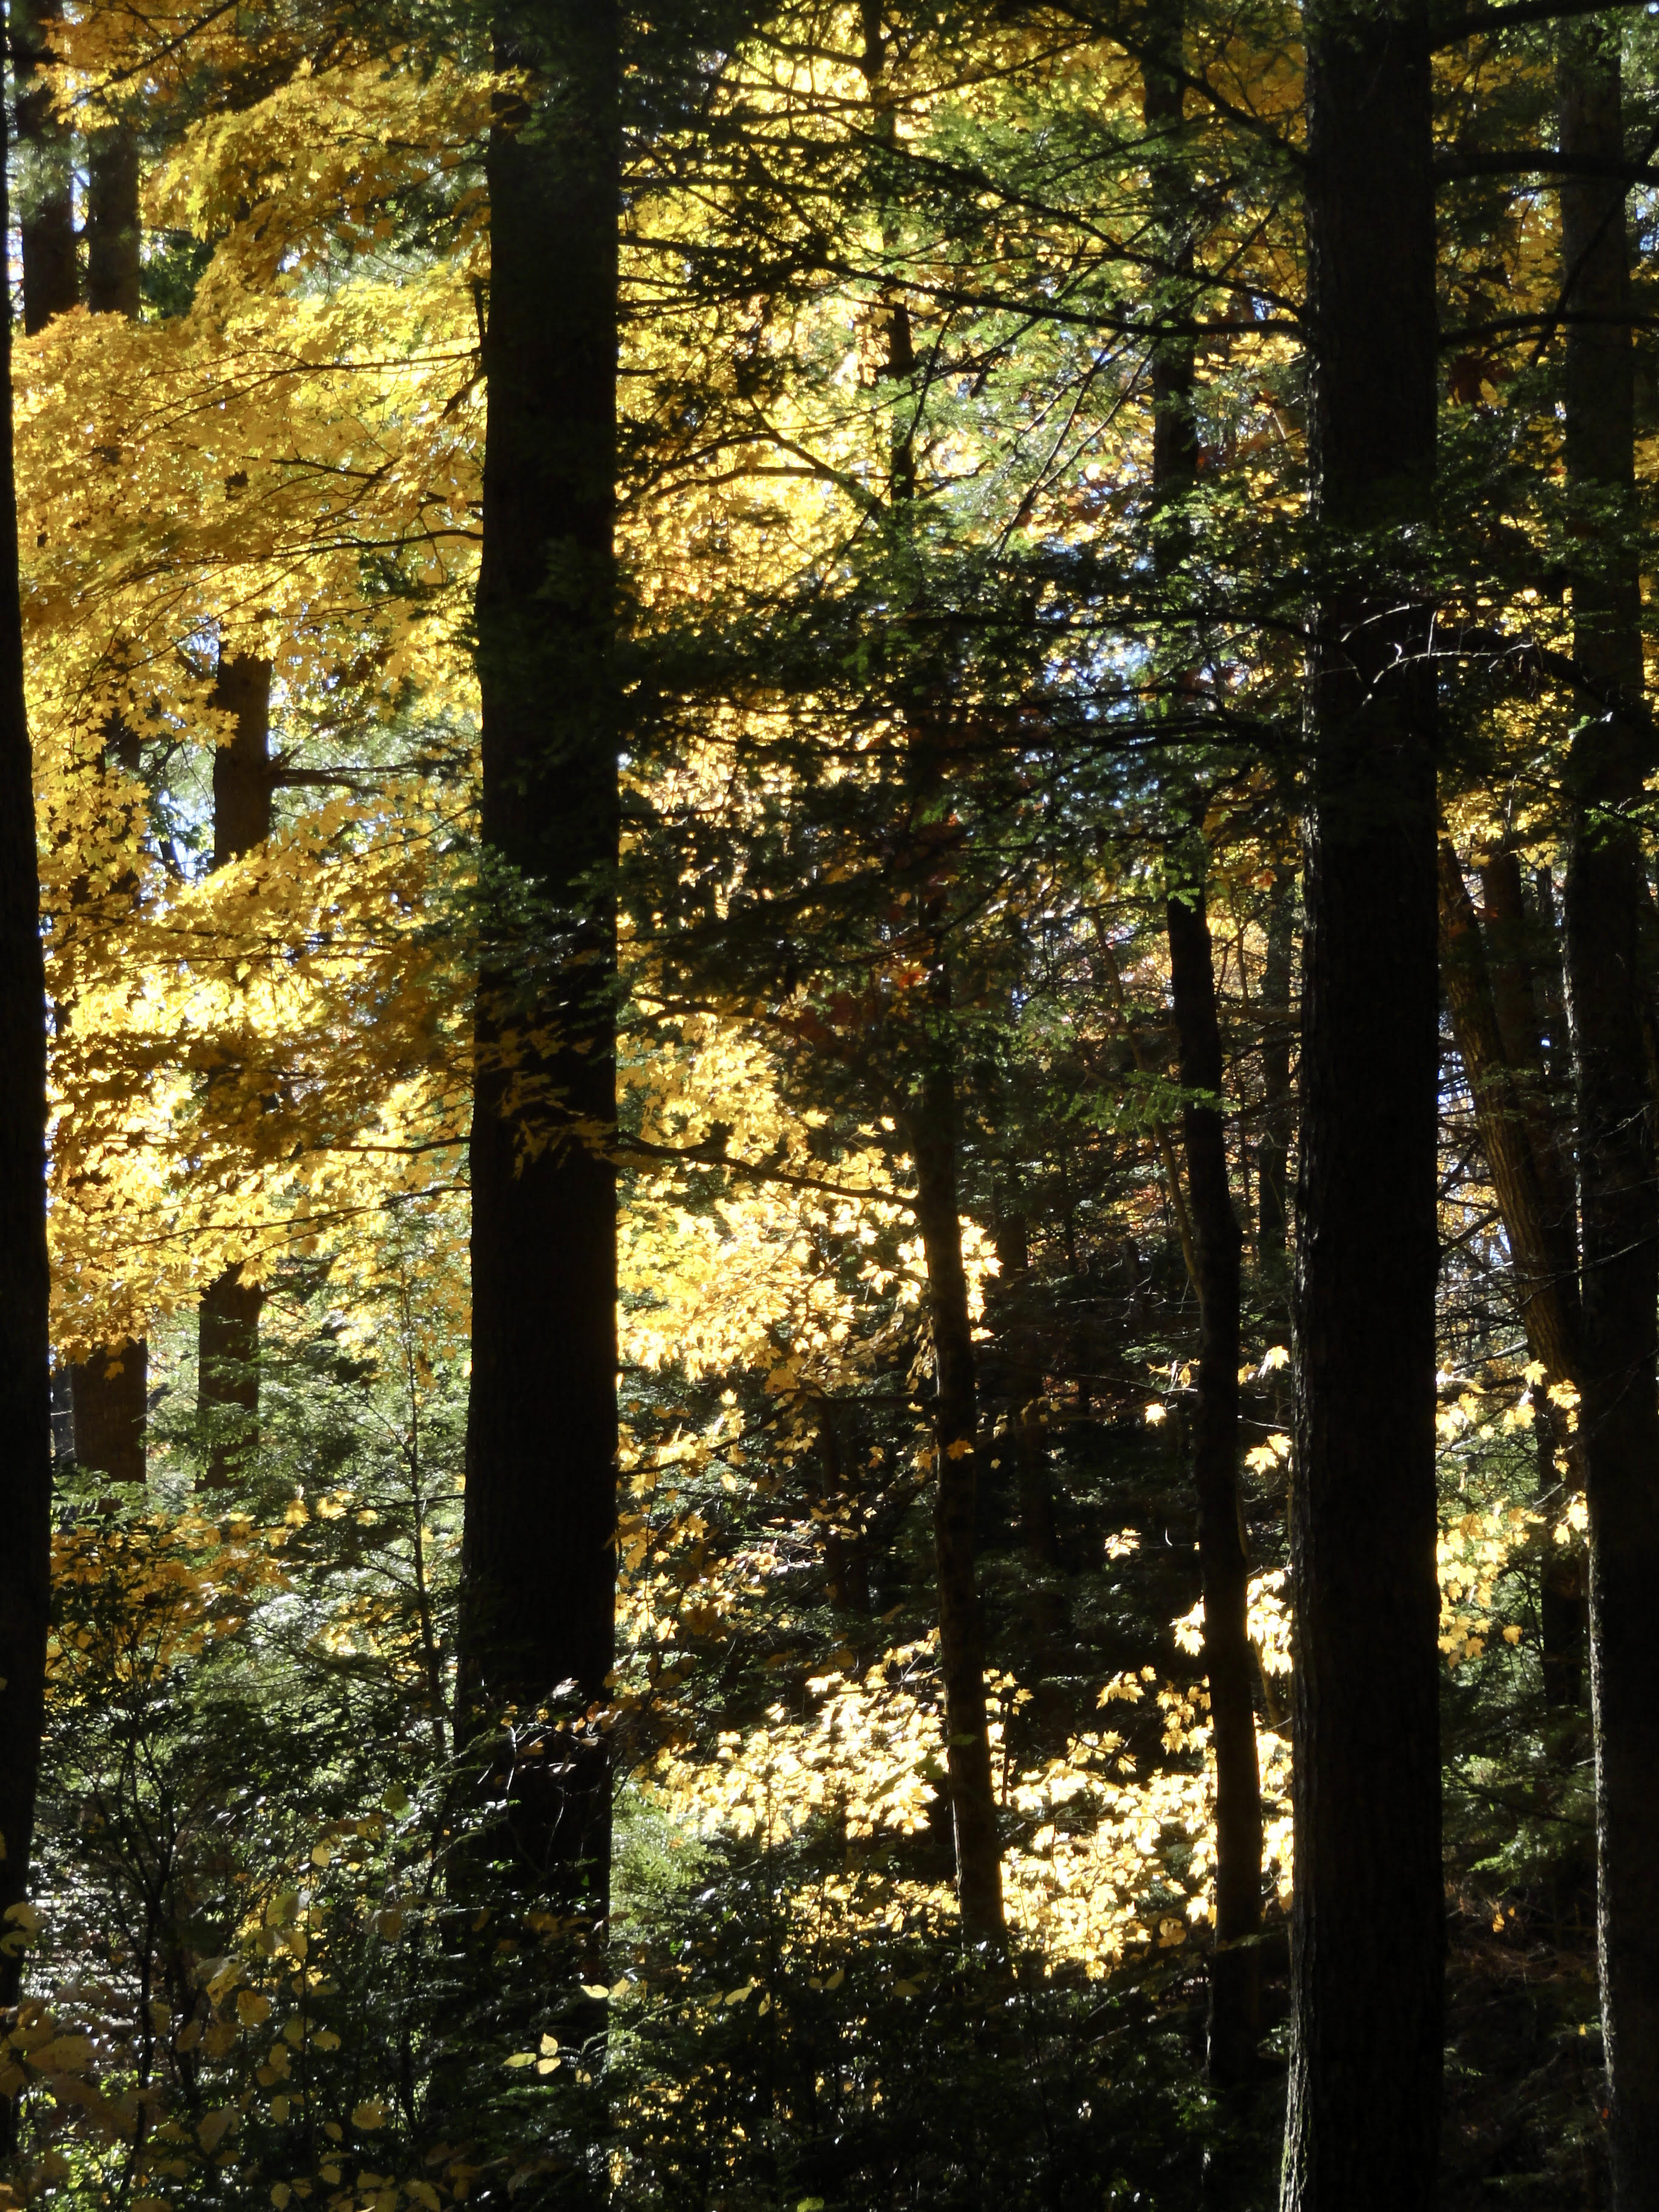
x=828 y=1057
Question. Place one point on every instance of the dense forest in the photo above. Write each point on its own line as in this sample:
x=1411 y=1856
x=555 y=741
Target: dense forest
x=829 y=1091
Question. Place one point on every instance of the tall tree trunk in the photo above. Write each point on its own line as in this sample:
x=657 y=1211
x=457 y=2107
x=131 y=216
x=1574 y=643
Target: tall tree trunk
x=46 y=174
x=227 y=1320
x=114 y=258
x=935 y=1144
x=109 y=1391
x=1217 y=1245
x=1618 y=1206
x=933 y=1120
x=1272 y=1151
x=1228 y=1662
x=1368 y=1931
x=537 y=1566
x=25 y=1360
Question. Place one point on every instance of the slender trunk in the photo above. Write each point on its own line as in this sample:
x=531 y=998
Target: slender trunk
x=1546 y=1281
x=25 y=1360
x=227 y=1320
x=1619 y=1206
x=45 y=186
x=1368 y=1933
x=1022 y=1387
x=1494 y=1020
x=537 y=1566
x=114 y=258
x=1272 y=1151
x=1229 y=1660
x=935 y=1142
x=846 y=1555
x=1216 y=1243
x=935 y=1124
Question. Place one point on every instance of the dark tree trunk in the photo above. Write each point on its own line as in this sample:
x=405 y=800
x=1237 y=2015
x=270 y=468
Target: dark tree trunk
x=1215 y=1241
x=1228 y=1662
x=1272 y=1151
x=114 y=258
x=846 y=1553
x=108 y=1394
x=935 y=1143
x=1619 y=1206
x=538 y=1578
x=227 y=1321
x=1546 y=1279
x=1491 y=989
x=25 y=1360
x=45 y=191
x=1368 y=1927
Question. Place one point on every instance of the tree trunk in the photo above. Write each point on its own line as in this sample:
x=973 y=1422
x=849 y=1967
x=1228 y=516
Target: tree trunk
x=227 y=1320
x=537 y=1569
x=1619 y=1206
x=109 y=1394
x=109 y=1391
x=46 y=185
x=25 y=1360
x=935 y=1140
x=1543 y=1261
x=1368 y=1927
x=114 y=239
x=1228 y=1662
x=1272 y=1150
x=1216 y=1243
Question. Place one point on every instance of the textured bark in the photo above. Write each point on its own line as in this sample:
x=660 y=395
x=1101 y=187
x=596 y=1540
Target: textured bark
x=108 y=1394
x=114 y=229
x=1606 y=900
x=1229 y=1660
x=935 y=1142
x=537 y=1571
x=227 y=1320
x=25 y=1366
x=1545 y=1281
x=46 y=203
x=1368 y=1923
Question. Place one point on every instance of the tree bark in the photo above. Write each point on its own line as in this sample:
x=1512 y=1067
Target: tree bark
x=109 y=1395
x=25 y=1360
x=1605 y=899
x=1228 y=1662
x=109 y=1391
x=935 y=1144
x=1543 y=1259
x=1216 y=1243
x=537 y=1569
x=227 y=1320
x=114 y=237
x=1368 y=1923
x=45 y=183
x=1272 y=1151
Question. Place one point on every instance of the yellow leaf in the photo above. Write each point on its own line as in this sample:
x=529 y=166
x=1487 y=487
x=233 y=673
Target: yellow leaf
x=210 y=2129
x=1511 y=1634
x=252 y=2007
x=281 y=2194
x=369 y=2116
